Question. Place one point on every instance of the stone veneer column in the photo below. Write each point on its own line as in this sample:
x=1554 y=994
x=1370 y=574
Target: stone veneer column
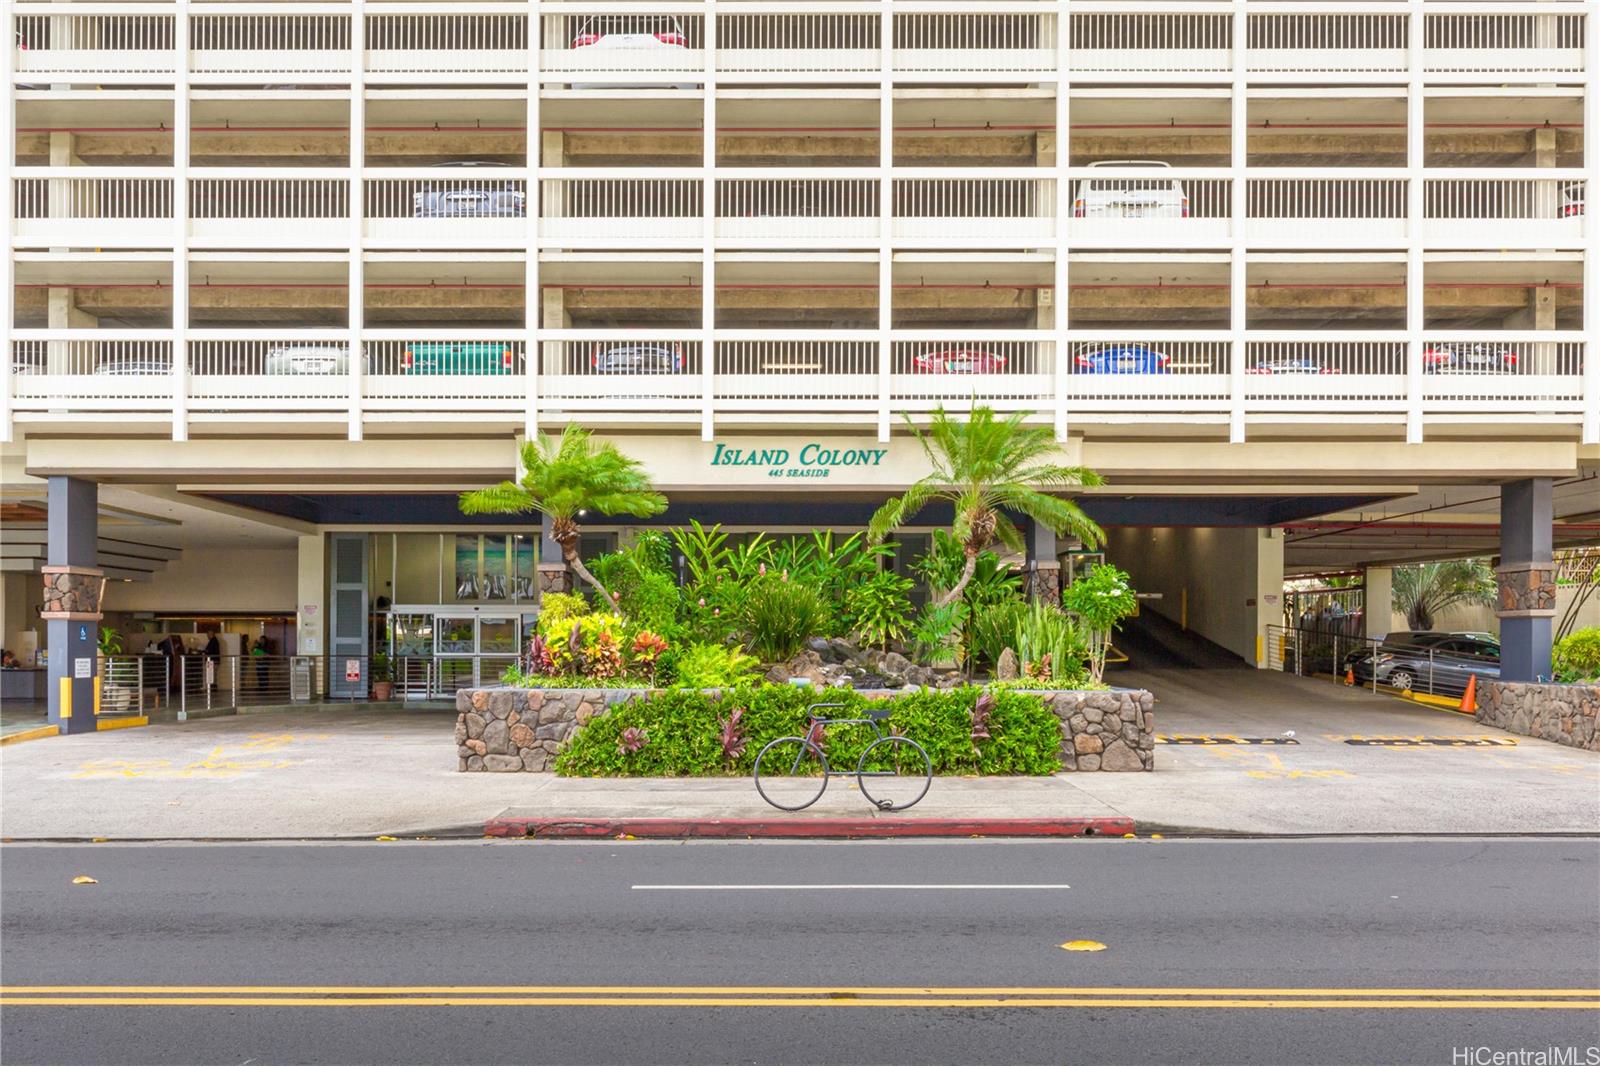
x=553 y=573
x=1042 y=580
x=1526 y=579
x=72 y=589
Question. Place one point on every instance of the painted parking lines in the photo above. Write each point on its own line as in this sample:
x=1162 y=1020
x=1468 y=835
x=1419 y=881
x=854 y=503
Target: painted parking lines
x=1420 y=741
x=1210 y=739
x=345 y=996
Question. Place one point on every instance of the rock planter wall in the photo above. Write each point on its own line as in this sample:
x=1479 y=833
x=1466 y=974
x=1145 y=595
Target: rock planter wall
x=509 y=730
x=1564 y=714
x=506 y=730
x=1113 y=731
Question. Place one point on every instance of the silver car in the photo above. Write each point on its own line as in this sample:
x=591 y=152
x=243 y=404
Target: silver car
x=478 y=197
x=310 y=359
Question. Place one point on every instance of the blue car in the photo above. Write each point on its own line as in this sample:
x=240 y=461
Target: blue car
x=1120 y=359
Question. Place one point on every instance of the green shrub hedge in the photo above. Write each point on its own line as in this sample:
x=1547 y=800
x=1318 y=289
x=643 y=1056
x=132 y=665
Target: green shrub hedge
x=683 y=732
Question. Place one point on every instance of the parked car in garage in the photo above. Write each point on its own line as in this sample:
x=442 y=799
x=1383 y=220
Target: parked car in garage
x=141 y=363
x=958 y=361
x=1288 y=364
x=1572 y=200
x=1468 y=358
x=1119 y=359
x=1131 y=197
x=458 y=357
x=1431 y=662
x=484 y=197
x=309 y=359
x=637 y=359
x=639 y=32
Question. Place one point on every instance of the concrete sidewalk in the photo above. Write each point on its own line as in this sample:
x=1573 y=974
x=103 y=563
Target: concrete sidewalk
x=1355 y=764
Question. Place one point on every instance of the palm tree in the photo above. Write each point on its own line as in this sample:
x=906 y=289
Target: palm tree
x=985 y=466
x=1421 y=592
x=564 y=478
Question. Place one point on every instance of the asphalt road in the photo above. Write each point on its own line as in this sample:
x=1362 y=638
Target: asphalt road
x=621 y=953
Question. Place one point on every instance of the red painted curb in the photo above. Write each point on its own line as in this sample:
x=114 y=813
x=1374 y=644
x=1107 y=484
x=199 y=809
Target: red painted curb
x=801 y=826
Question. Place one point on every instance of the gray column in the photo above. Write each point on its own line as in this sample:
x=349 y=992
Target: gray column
x=1043 y=577
x=1526 y=579
x=71 y=609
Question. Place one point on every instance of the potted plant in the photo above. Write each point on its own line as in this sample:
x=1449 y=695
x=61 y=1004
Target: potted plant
x=382 y=677
x=115 y=697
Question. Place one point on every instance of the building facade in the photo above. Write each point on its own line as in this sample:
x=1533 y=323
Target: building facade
x=283 y=277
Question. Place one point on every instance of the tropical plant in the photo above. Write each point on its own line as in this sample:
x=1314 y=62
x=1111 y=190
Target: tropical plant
x=991 y=580
x=564 y=478
x=641 y=582
x=1100 y=599
x=382 y=668
x=984 y=467
x=1577 y=656
x=1422 y=592
x=993 y=629
x=1579 y=570
x=110 y=642
x=778 y=614
x=936 y=636
x=880 y=608
x=647 y=650
x=588 y=644
x=1048 y=645
x=713 y=666
x=689 y=734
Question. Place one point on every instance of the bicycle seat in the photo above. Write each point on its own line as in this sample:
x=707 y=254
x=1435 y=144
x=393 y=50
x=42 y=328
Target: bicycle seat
x=877 y=714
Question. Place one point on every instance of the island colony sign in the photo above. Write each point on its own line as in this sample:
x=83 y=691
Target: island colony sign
x=809 y=460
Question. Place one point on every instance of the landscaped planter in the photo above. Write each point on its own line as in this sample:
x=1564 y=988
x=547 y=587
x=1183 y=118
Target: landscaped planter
x=508 y=730
x=1563 y=714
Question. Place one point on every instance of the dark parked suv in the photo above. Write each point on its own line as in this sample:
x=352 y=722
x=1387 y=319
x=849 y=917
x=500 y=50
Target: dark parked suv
x=1429 y=662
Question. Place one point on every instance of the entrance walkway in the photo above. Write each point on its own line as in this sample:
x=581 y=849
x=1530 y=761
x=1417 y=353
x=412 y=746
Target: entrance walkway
x=1354 y=764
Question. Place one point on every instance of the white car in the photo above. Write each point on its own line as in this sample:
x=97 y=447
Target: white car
x=1572 y=200
x=1120 y=197
x=631 y=32
x=310 y=359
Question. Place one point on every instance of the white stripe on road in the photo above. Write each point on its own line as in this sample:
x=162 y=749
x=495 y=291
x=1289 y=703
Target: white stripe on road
x=813 y=888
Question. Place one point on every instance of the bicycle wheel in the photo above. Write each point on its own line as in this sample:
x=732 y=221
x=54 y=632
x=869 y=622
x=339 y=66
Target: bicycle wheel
x=791 y=773
x=895 y=773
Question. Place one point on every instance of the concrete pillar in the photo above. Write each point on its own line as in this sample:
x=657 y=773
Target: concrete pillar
x=1044 y=312
x=553 y=315
x=1542 y=146
x=552 y=153
x=1379 y=583
x=73 y=584
x=1526 y=579
x=1043 y=577
x=1538 y=313
x=1268 y=600
x=311 y=595
x=1044 y=148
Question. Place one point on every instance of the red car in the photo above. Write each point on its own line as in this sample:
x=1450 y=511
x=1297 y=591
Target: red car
x=1469 y=358
x=959 y=361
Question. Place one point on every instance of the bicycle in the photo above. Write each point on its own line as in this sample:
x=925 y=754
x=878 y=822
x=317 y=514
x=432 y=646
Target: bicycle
x=791 y=773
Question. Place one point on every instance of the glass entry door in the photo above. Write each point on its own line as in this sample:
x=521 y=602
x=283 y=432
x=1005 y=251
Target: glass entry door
x=473 y=650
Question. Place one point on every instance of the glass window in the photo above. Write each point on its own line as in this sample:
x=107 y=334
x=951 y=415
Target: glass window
x=496 y=577
x=467 y=581
x=525 y=550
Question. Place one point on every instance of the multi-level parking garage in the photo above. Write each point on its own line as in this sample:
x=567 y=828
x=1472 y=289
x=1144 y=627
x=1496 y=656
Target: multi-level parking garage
x=316 y=265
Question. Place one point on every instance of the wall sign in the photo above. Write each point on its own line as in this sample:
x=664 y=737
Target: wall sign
x=812 y=460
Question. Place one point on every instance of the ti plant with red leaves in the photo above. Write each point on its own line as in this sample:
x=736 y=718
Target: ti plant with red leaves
x=981 y=709
x=732 y=736
x=632 y=739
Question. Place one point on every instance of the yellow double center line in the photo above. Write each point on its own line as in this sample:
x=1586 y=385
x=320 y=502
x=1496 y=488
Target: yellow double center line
x=798 y=996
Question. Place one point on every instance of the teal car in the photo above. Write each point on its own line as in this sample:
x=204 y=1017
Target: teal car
x=458 y=357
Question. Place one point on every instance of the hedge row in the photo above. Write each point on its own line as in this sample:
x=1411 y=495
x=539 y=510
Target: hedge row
x=682 y=732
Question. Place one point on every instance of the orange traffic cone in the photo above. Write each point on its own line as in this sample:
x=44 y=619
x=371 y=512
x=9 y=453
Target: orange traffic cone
x=1469 y=698
x=1350 y=675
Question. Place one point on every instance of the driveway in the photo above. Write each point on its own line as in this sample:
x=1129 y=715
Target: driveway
x=1354 y=763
